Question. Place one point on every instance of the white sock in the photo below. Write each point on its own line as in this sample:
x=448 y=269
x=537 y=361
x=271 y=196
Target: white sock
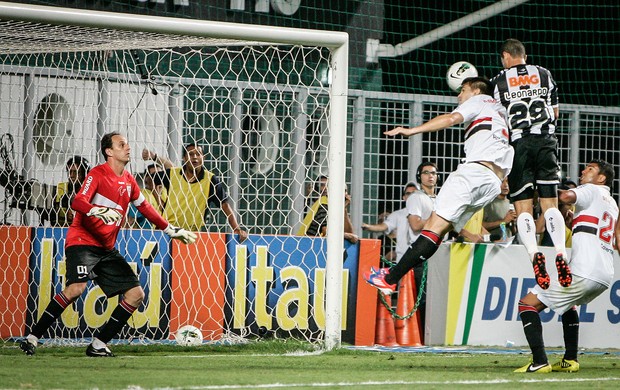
x=32 y=339
x=98 y=344
x=555 y=227
x=526 y=229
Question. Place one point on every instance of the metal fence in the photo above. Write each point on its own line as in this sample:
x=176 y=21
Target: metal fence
x=377 y=166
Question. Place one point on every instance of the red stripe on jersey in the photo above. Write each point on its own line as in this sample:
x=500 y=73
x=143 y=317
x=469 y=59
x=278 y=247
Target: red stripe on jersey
x=585 y=218
x=478 y=121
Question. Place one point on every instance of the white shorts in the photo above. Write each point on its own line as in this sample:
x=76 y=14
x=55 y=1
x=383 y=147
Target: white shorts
x=561 y=299
x=468 y=189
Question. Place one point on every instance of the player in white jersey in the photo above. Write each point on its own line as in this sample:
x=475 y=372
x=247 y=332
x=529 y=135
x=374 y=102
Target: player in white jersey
x=591 y=261
x=530 y=96
x=475 y=183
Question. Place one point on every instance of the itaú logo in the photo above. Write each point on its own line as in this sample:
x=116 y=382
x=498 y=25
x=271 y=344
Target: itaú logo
x=523 y=80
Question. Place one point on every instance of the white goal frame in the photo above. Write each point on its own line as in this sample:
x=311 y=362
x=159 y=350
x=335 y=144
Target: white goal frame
x=337 y=42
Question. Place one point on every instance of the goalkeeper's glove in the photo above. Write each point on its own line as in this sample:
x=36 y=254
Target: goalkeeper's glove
x=185 y=236
x=106 y=214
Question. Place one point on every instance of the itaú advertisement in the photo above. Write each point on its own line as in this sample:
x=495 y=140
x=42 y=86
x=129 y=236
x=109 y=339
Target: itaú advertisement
x=148 y=254
x=281 y=288
x=277 y=284
x=474 y=292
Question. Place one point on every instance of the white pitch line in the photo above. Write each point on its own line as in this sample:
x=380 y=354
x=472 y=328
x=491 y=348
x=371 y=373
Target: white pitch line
x=384 y=383
x=206 y=355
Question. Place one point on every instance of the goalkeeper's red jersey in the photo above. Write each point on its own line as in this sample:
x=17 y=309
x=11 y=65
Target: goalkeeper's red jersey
x=103 y=188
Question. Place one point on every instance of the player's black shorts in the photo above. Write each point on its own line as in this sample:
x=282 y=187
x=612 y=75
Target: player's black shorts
x=108 y=268
x=535 y=164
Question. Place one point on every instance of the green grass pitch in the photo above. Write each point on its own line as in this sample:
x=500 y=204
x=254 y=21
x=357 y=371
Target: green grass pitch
x=289 y=364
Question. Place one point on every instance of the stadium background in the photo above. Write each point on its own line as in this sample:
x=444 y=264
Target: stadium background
x=578 y=41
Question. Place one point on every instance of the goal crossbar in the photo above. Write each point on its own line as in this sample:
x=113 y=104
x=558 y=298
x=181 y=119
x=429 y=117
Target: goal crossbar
x=227 y=32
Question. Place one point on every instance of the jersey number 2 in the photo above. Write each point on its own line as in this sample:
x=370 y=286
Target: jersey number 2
x=606 y=232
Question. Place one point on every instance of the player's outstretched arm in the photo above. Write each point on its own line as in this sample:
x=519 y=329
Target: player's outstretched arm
x=178 y=233
x=437 y=123
x=567 y=196
x=379 y=227
x=400 y=131
x=149 y=212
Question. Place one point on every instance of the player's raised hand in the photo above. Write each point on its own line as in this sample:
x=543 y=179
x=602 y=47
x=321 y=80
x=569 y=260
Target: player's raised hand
x=148 y=155
x=399 y=130
x=185 y=236
x=106 y=214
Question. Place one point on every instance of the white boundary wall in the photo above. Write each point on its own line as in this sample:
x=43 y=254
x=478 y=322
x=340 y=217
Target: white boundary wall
x=474 y=301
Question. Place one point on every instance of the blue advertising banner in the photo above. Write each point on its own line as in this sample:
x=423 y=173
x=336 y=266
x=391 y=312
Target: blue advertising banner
x=277 y=283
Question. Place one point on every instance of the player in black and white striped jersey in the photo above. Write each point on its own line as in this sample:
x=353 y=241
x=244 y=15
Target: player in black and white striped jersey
x=530 y=96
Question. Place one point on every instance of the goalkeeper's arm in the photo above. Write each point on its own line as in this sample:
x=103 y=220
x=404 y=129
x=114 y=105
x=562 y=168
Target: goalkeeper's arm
x=107 y=214
x=149 y=212
x=185 y=236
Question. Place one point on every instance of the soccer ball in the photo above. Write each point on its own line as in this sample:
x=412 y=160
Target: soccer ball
x=188 y=335
x=458 y=72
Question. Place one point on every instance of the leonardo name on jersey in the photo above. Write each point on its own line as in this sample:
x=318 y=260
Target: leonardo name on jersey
x=525 y=93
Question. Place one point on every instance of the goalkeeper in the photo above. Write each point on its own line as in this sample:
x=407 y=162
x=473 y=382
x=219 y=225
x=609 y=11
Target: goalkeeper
x=100 y=206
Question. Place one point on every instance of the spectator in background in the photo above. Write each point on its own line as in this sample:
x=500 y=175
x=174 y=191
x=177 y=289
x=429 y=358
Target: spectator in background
x=155 y=195
x=396 y=222
x=61 y=214
x=191 y=189
x=388 y=242
x=569 y=184
x=316 y=191
x=315 y=221
x=473 y=231
x=499 y=212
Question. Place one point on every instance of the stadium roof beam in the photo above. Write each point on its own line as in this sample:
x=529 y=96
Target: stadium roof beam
x=376 y=50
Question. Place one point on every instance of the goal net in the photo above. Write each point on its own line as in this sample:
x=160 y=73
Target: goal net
x=267 y=107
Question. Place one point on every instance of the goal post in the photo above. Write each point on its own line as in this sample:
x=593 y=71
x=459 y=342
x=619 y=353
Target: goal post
x=241 y=91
